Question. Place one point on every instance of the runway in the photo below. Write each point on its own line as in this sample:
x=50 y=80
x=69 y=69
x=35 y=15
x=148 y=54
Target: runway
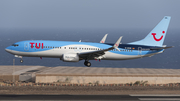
x=90 y=97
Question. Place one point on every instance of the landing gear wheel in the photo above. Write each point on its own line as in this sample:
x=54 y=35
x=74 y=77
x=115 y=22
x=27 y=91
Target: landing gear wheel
x=86 y=63
x=21 y=61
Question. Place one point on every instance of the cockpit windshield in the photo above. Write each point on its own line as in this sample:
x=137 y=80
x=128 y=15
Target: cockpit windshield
x=15 y=45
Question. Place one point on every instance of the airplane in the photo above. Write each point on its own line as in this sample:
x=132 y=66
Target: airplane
x=69 y=51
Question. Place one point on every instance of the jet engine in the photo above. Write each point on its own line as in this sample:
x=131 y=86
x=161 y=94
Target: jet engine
x=70 y=57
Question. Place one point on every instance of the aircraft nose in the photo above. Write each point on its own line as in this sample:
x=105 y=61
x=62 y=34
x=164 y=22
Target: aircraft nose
x=8 y=49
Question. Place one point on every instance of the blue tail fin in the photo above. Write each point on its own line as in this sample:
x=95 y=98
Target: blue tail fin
x=157 y=35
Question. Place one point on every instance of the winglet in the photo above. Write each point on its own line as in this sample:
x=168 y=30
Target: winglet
x=118 y=42
x=103 y=39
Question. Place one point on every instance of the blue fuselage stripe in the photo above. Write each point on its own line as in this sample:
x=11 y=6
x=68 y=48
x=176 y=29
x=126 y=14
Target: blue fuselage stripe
x=126 y=49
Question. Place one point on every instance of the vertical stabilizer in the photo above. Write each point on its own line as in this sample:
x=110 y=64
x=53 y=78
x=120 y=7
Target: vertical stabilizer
x=157 y=35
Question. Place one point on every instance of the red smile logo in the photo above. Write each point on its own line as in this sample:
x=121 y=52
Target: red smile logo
x=102 y=41
x=156 y=38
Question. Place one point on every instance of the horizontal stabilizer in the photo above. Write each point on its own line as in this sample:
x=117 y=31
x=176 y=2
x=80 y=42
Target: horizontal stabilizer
x=159 y=48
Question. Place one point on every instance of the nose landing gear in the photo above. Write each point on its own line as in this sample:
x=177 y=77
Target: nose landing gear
x=19 y=57
x=87 y=63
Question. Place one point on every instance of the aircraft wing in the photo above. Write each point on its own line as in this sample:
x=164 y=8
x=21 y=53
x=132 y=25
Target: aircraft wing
x=92 y=54
x=103 y=39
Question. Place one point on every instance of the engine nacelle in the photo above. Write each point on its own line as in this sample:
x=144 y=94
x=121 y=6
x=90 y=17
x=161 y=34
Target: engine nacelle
x=70 y=57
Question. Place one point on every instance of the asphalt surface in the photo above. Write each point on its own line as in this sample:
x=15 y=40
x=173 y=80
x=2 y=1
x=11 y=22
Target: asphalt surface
x=85 y=90
x=91 y=97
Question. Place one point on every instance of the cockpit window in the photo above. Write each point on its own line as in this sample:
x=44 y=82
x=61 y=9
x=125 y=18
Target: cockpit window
x=15 y=45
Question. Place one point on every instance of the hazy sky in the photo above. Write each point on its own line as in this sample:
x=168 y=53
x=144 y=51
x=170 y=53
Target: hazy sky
x=87 y=13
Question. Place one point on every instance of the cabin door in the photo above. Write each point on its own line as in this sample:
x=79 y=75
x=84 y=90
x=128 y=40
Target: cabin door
x=139 y=50
x=26 y=46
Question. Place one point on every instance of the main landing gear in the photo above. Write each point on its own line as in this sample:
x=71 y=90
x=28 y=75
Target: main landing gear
x=87 y=63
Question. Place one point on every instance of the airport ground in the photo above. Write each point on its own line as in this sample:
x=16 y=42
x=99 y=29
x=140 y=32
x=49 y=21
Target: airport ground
x=88 y=81
x=62 y=83
x=86 y=90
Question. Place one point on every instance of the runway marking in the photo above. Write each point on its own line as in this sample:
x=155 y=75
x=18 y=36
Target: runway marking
x=155 y=95
x=162 y=99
